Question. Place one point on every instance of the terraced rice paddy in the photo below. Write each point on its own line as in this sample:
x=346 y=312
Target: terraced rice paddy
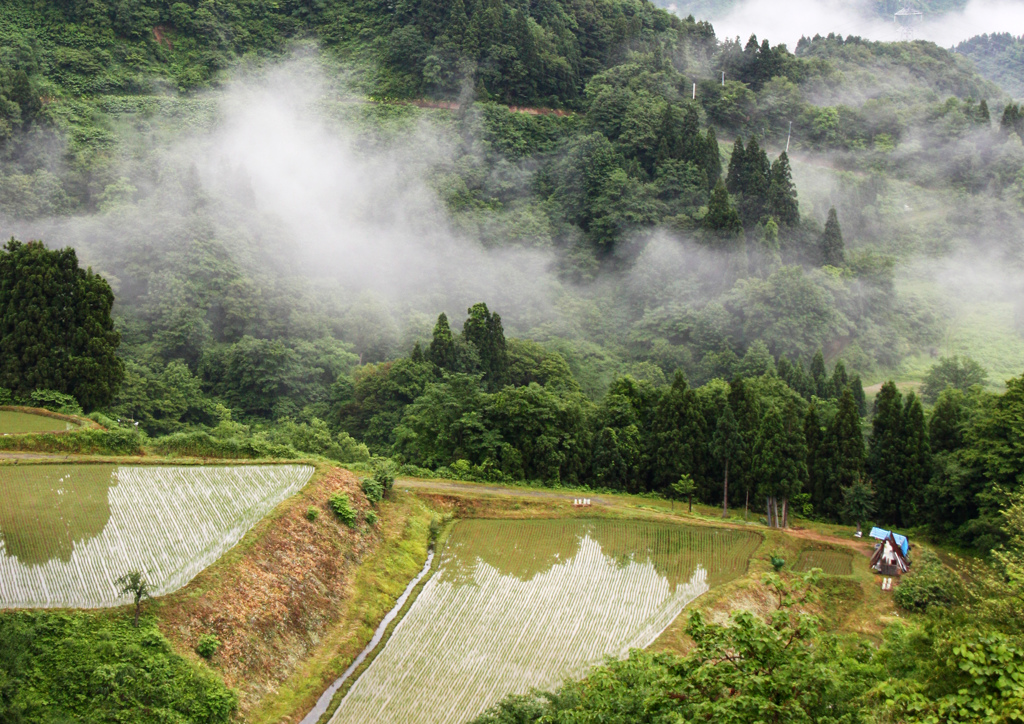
x=522 y=604
x=68 y=531
x=832 y=563
x=16 y=423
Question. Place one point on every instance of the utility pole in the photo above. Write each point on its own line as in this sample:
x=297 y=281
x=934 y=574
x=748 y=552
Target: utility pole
x=694 y=91
x=723 y=77
x=789 y=137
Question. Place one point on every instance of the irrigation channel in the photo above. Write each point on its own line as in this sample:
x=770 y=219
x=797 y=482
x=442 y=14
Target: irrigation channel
x=325 y=699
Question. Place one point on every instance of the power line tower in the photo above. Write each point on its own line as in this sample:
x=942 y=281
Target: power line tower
x=907 y=21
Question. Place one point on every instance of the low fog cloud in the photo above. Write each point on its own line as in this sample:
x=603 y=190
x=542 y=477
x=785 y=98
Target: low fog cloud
x=786 y=22
x=291 y=190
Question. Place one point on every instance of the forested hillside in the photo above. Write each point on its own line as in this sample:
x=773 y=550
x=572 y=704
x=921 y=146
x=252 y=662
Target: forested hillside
x=284 y=198
x=999 y=57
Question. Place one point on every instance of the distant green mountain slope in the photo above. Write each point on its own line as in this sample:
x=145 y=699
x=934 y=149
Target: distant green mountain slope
x=507 y=51
x=1000 y=58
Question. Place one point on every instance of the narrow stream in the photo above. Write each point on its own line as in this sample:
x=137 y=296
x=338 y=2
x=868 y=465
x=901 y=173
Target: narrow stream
x=325 y=699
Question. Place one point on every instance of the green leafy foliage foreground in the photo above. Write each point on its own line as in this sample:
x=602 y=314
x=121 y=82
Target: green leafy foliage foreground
x=60 y=667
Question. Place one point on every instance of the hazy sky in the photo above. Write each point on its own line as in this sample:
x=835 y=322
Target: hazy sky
x=784 y=21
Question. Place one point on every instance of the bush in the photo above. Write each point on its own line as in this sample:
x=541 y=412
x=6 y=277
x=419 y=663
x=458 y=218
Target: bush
x=414 y=471
x=312 y=514
x=929 y=583
x=55 y=402
x=342 y=508
x=207 y=645
x=204 y=445
x=384 y=474
x=85 y=442
x=6 y=398
x=374 y=490
x=371 y=517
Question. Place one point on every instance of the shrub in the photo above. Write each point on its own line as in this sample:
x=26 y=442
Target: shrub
x=312 y=514
x=56 y=402
x=204 y=445
x=86 y=442
x=384 y=474
x=207 y=645
x=371 y=517
x=122 y=442
x=373 y=489
x=414 y=471
x=929 y=583
x=461 y=470
x=342 y=508
x=6 y=398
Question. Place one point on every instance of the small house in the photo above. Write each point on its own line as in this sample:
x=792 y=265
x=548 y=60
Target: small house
x=901 y=540
x=889 y=558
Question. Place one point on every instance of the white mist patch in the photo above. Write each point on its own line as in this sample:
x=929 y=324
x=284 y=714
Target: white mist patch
x=786 y=22
x=366 y=218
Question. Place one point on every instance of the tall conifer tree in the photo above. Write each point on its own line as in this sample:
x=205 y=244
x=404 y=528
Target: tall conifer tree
x=677 y=436
x=886 y=456
x=782 y=203
x=917 y=459
x=727 y=444
x=442 y=345
x=833 y=252
x=722 y=221
x=712 y=158
x=745 y=409
x=737 y=167
x=843 y=454
x=814 y=438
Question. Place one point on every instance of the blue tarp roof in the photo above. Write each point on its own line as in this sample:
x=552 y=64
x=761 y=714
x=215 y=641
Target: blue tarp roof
x=882 y=534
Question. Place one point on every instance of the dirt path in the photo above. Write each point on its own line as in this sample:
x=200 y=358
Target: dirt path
x=34 y=456
x=861 y=545
x=450 y=487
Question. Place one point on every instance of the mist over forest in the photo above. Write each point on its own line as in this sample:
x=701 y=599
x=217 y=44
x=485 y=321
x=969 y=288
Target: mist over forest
x=295 y=228
x=761 y=258
x=943 y=23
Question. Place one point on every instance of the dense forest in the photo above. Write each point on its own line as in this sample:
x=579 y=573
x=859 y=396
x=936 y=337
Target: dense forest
x=682 y=296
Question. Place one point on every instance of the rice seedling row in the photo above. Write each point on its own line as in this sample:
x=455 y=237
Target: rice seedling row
x=832 y=563
x=168 y=522
x=522 y=604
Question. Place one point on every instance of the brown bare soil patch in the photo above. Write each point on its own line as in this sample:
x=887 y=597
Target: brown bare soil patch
x=274 y=596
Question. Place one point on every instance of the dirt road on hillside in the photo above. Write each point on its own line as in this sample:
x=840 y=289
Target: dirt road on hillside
x=416 y=484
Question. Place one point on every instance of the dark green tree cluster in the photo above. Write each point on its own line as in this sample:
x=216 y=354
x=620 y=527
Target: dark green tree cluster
x=754 y=442
x=899 y=461
x=1013 y=120
x=56 y=332
x=72 y=665
x=763 y=190
x=959 y=373
x=757 y=63
x=19 y=101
